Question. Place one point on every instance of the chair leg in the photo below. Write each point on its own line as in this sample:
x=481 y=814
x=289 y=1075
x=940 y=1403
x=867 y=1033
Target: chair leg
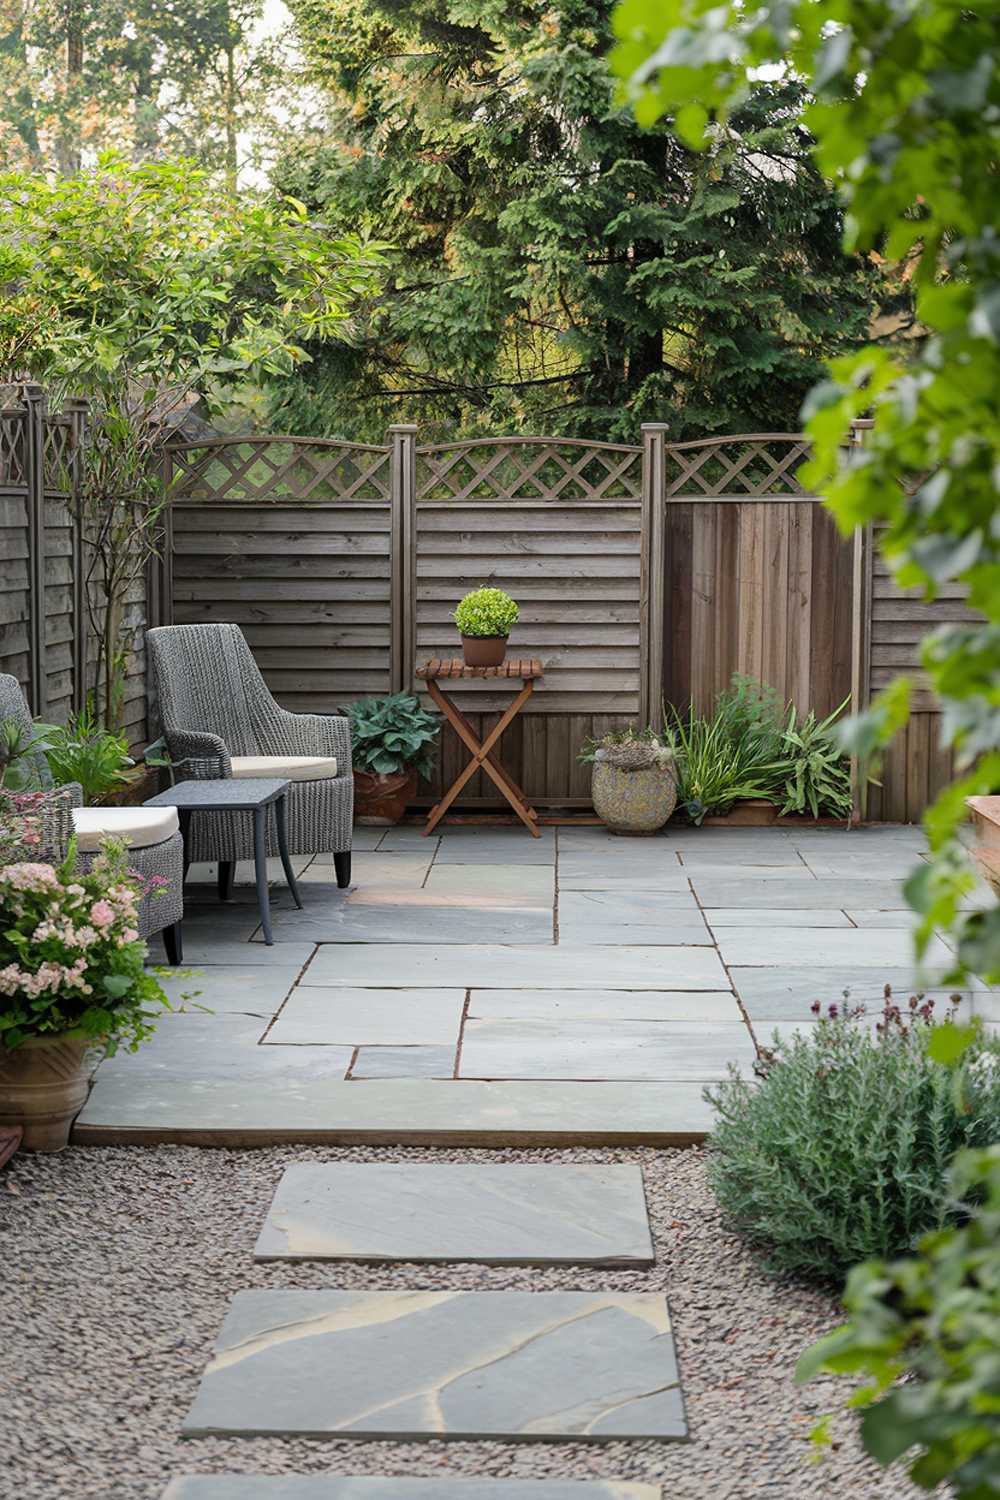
x=174 y=943
x=342 y=865
x=227 y=874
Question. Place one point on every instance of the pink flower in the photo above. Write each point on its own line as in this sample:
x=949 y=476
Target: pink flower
x=101 y=914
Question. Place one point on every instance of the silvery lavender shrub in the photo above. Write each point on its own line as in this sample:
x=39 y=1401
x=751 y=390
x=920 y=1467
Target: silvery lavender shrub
x=839 y=1151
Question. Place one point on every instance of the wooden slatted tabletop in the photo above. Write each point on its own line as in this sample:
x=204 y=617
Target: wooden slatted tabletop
x=528 y=669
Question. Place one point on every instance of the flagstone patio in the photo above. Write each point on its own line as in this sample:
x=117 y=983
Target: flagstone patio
x=486 y=986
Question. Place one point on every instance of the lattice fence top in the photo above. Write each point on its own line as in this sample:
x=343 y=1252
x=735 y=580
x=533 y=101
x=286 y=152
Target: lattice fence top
x=57 y=454
x=755 y=464
x=279 y=469
x=529 y=469
x=13 y=456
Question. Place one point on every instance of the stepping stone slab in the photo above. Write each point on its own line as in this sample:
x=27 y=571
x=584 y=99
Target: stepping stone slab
x=495 y=1215
x=333 y=1487
x=594 y=1366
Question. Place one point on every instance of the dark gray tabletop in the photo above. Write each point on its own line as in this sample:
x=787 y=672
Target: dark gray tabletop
x=239 y=794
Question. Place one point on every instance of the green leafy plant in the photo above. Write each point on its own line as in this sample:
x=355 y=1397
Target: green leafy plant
x=815 y=773
x=486 y=612
x=16 y=744
x=734 y=755
x=925 y=1334
x=71 y=959
x=83 y=752
x=392 y=734
x=840 y=1150
x=902 y=118
x=616 y=739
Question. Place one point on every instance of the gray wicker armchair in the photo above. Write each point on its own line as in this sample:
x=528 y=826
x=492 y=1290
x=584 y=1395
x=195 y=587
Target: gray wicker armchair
x=155 y=844
x=220 y=720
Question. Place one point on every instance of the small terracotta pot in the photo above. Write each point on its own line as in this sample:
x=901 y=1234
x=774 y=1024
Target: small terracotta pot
x=380 y=801
x=484 y=650
x=752 y=812
x=43 y=1087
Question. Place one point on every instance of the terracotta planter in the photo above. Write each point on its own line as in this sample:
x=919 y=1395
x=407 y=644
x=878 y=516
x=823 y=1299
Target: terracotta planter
x=633 y=802
x=755 y=812
x=380 y=801
x=484 y=650
x=43 y=1087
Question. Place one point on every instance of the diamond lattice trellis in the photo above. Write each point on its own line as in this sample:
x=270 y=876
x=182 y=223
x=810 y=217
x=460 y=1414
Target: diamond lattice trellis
x=280 y=469
x=751 y=466
x=57 y=454
x=13 y=462
x=533 y=469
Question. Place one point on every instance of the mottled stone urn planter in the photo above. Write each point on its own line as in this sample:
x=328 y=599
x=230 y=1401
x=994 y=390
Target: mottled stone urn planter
x=381 y=800
x=43 y=1086
x=633 y=800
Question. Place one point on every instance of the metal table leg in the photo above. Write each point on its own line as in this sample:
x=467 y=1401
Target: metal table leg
x=286 y=863
x=260 y=868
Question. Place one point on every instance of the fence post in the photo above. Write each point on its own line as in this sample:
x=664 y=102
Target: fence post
x=34 y=453
x=860 y=626
x=652 y=588
x=403 y=553
x=76 y=410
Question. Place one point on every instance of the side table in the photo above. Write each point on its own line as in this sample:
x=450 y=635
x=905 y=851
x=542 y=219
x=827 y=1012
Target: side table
x=239 y=794
x=529 y=670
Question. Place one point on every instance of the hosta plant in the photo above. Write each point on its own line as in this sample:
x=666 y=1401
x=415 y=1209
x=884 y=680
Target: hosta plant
x=486 y=612
x=393 y=734
x=839 y=1151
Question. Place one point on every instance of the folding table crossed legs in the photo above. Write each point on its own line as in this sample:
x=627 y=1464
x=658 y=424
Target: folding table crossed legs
x=481 y=751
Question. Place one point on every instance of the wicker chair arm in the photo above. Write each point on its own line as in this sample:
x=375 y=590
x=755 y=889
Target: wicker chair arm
x=198 y=757
x=316 y=734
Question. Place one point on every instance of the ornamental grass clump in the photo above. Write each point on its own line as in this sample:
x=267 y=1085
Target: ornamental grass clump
x=840 y=1151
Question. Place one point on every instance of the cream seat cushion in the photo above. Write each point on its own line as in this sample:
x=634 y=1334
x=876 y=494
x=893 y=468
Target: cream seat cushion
x=285 y=767
x=139 y=826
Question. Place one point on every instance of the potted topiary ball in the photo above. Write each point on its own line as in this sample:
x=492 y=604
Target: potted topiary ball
x=485 y=618
x=392 y=743
x=634 y=782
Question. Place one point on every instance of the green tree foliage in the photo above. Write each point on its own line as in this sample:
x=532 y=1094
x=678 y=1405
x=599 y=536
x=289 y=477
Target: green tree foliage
x=555 y=266
x=146 y=77
x=906 y=100
x=137 y=287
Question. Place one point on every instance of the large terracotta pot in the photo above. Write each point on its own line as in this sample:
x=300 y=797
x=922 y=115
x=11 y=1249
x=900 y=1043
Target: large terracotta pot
x=380 y=801
x=484 y=650
x=43 y=1087
x=752 y=812
x=634 y=801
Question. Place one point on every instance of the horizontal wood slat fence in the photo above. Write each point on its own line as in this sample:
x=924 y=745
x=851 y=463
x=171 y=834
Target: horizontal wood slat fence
x=644 y=572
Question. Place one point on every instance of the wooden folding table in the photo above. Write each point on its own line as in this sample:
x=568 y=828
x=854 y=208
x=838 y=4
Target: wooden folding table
x=529 y=670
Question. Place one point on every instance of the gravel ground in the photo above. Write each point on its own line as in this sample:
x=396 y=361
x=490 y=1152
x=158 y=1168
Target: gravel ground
x=118 y=1265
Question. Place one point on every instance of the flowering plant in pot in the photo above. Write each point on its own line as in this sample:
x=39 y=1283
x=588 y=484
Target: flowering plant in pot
x=485 y=618
x=72 y=977
x=392 y=743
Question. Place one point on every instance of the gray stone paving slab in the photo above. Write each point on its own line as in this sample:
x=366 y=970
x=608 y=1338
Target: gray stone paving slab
x=845 y=866
x=901 y=919
x=129 y=1104
x=334 y=1487
x=763 y=916
x=489 y=966
x=851 y=947
x=718 y=869
x=404 y=1062
x=403 y=871
x=494 y=1214
x=634 y=857
x=610 y=1005
x=315 y=1015
x=248 y=989
x=586 y=1365
x=194 y=1050
x=203 y=953
x=613 y=917
x=576 y=1048
x=529 y=885
x=405 y=923
x=669 y=880
x=786 y=993
x=827 y=895
x=518 y=850
x=409 y=836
